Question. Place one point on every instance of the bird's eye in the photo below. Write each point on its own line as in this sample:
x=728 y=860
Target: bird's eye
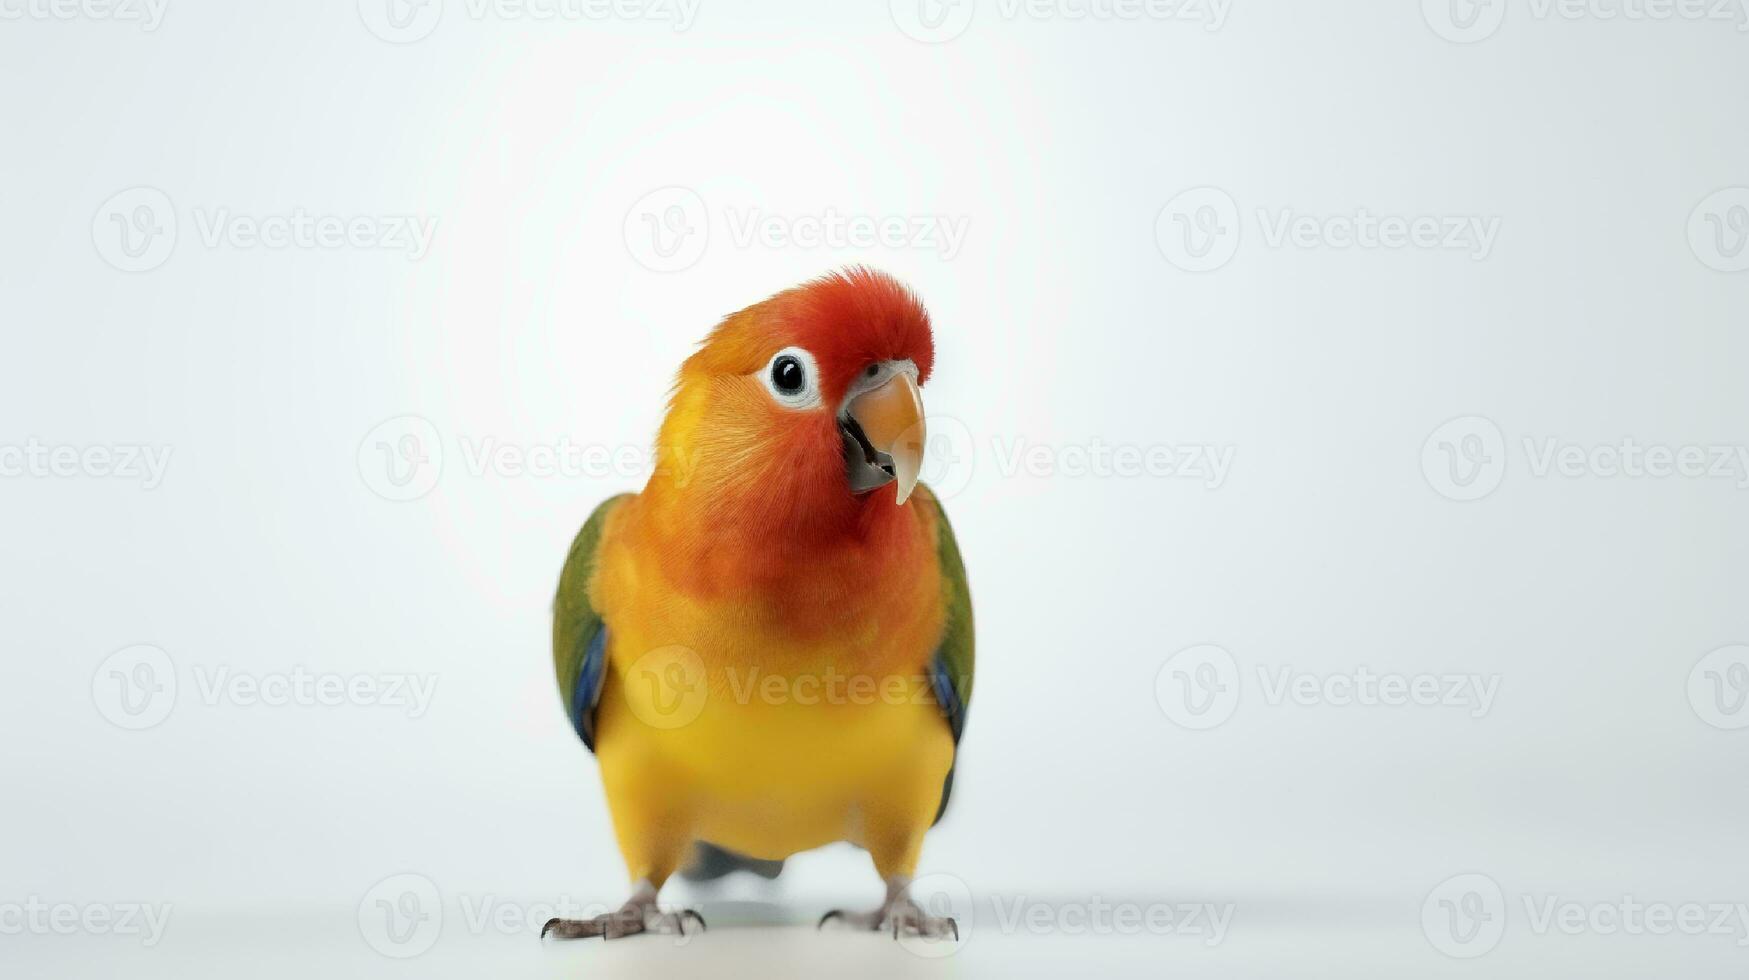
x=787 y=374
x=793 y=378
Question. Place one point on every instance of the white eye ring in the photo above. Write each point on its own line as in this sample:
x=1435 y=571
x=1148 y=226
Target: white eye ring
x=787 y=393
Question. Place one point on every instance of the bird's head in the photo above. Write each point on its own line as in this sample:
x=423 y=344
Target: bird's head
x=803 y=405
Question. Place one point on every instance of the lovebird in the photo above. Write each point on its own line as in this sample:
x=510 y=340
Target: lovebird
x=769 y=648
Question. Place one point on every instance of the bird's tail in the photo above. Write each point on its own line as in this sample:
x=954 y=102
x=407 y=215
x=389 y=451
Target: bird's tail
x=710 y=862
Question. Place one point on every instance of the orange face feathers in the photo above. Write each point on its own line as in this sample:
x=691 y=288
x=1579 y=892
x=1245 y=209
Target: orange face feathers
x=847 y=319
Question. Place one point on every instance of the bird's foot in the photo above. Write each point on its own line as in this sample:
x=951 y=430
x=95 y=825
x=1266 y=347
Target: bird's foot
x=899 y=914
x=909 y=919
x=638 y=914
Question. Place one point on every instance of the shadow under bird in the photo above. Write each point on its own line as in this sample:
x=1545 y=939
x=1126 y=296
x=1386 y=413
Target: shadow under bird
x=769 y=649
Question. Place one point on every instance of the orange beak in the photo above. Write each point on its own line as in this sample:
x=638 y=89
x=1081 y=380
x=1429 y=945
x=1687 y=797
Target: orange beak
x=891 y=416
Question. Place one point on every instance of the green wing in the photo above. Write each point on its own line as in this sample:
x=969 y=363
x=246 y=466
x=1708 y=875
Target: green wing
x=950 y=670
x=579 y=635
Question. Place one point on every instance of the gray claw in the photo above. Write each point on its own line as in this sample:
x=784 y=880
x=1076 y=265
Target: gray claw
x=628 y=921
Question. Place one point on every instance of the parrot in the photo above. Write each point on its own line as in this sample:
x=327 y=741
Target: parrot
x=769 y=648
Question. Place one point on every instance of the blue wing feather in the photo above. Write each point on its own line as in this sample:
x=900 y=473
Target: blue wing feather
x=947 y=695
x=587 y=694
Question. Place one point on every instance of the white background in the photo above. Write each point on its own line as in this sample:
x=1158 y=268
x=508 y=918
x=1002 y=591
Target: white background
x=1067 y=319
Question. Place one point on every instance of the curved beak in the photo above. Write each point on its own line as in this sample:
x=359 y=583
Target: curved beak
x=887 y=424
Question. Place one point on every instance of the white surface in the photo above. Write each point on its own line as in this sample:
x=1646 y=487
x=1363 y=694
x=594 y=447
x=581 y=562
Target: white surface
x=1285 y=938
x=533 y=319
